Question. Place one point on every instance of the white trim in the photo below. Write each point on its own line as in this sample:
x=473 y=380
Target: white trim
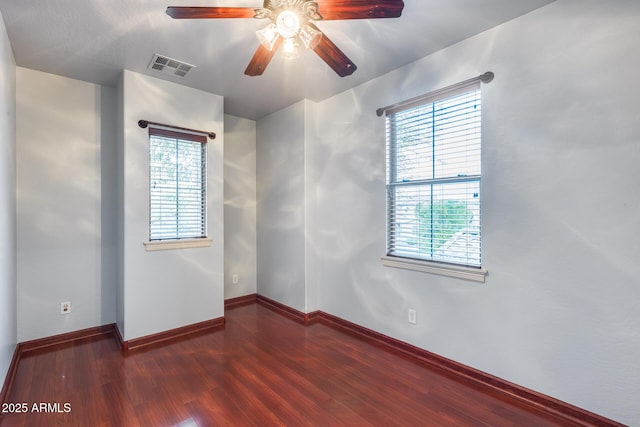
x=165 y=245
x=467 y=273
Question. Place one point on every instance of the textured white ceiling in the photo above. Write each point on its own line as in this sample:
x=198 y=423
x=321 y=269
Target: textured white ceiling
x=93 y=40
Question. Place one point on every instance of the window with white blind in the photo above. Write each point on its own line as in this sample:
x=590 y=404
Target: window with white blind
x=177 y=183
x=433 y=179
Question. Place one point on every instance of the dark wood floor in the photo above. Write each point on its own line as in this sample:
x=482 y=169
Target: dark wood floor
x=262 y=369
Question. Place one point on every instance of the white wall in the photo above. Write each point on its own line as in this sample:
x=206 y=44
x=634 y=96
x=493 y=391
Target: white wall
x=312 y=282
x=561 y=148
x=239 y=206
x=59 y=245
x=108 y=202
x=167 y=289
x=119 y=206
x=281 y=190
x=8 y=313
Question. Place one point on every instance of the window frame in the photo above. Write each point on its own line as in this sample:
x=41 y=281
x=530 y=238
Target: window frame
x=155 y=243
x=424 y=264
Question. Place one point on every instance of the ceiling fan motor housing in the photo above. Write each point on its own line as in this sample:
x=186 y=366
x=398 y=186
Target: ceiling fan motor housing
x=305 y=9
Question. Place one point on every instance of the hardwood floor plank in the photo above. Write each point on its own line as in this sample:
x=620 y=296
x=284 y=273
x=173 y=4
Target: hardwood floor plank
x=262 y=369
x=304 y=391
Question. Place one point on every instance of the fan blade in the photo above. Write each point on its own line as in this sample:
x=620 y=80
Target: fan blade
x=178 y=12
x=261 y=59
x=333 y=56
x=360 y=9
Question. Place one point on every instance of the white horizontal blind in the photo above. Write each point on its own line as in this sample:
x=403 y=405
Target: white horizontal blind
x=177 y=168
x=433 y=179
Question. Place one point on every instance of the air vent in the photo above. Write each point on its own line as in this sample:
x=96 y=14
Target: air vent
x=169 y=66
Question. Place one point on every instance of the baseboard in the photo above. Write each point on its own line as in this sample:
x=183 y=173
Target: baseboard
x=43 y=343
x=172 y=334
x=118 y=336
x=240 y=301
x=562 y=411
x=285 y=310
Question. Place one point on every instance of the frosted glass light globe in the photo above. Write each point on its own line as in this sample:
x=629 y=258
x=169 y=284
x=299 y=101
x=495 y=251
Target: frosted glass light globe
x=288 y=24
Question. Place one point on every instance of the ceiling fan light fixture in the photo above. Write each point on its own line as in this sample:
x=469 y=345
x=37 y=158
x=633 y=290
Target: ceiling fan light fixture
x=288 y=23
x=268 y=36
x=292 y=23
x=310 y=37
x=290 y=48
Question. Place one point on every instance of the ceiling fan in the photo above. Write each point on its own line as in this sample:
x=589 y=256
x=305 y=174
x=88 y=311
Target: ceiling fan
x=293 y=22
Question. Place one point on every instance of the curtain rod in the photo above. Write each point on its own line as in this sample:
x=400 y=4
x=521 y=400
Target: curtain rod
x=144 y=123
x=484 y=78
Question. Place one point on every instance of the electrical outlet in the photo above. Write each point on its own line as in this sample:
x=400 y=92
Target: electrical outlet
x=412 y=316
x=234 y=279
x=65 y=307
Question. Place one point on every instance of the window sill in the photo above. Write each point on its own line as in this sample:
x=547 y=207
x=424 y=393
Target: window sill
x=166 y=245
x=467 y=273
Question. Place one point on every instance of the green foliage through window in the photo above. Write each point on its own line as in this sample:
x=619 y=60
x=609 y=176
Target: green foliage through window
x=439 y=221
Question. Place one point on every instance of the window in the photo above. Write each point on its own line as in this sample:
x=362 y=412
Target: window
x=433 y=178
x=178 y=182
